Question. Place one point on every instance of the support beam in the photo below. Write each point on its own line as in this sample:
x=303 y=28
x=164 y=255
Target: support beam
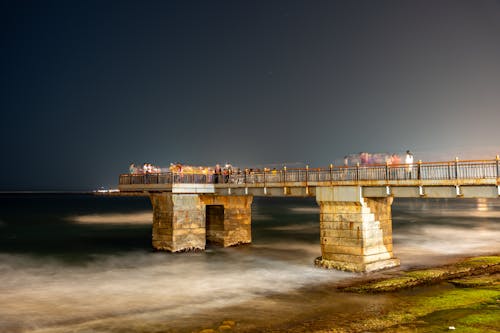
x=356 y=232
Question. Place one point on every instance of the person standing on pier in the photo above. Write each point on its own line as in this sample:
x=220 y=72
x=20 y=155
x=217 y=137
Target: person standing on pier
x=217 y=173
x=409 y=162
x=132 y=169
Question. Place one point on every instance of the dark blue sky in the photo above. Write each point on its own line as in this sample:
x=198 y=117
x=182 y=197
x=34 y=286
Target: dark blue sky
x=89 y=86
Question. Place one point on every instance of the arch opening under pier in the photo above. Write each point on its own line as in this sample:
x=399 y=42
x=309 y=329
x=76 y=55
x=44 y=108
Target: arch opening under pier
x=214 y=222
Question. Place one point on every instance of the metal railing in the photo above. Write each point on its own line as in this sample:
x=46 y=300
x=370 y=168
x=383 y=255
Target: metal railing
x=450 y=170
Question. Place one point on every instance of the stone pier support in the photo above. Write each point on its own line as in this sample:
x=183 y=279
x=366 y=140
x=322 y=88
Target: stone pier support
x=233 y=225
x=356 y=232
x=180 y=220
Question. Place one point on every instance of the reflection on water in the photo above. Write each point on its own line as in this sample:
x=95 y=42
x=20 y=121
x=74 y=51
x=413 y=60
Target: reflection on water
x=483 y=205
x=85 y=262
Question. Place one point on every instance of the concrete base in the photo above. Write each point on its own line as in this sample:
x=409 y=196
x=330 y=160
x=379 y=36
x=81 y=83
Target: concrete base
x=356 y=232
x=357 y=267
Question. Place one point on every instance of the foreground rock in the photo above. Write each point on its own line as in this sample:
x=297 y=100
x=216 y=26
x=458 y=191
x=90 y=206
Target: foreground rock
x=468 y=301
x=467 y=267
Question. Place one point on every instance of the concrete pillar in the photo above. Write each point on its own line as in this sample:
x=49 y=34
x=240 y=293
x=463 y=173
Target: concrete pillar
x=356 y=232
x=178 y=222
x=234 y=227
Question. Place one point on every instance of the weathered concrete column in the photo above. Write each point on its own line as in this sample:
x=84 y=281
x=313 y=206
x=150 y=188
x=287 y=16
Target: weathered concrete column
x=234 y=226
x=178 y=222
x=356 y=232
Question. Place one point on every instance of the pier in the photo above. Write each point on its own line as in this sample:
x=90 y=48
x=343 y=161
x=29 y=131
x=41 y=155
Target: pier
x=355 y=204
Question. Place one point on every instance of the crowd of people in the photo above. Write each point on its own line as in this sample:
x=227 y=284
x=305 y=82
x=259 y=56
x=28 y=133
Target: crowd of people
x=228 y=173
x=365 y=158
x=218 y=174
x=147 y=168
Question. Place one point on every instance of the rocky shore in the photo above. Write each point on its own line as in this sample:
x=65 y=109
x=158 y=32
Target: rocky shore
x=414 y=278
x=464 y=296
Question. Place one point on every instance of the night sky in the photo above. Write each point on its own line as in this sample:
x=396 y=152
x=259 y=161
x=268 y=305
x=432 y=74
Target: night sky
x=89 y=86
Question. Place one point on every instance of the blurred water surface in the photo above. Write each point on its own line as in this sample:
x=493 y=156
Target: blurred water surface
x=84 y=263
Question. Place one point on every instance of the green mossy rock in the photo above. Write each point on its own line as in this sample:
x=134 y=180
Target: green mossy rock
x=471 y=266
x=477 y=281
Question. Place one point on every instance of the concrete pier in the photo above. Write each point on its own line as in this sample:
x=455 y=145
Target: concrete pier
x=183 y=221
x=355 y=204
x=178 y=222
x=355 y=232
x=229 y=219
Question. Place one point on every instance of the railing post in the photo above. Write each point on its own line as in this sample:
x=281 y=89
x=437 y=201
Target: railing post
x=331 y=173
x=307 y=178
x=284 y=179
x=357 y=171
x=386 y=170
x=419 y=170
x=264 y=178
x=456 y=167
x=498 y=166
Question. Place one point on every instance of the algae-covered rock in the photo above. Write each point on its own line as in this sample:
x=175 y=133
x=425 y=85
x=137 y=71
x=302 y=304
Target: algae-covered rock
x=477 y=281
x=386 y=285
x=471 y=266
x=225 y=328
x=428 y=274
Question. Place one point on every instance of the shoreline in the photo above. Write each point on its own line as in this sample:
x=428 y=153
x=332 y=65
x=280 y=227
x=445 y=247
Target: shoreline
x=465 y=294
x=411 y=278
x=328 y=308
x=470 y=285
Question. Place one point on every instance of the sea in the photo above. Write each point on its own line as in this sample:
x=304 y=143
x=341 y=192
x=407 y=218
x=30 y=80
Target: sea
x=84 y=263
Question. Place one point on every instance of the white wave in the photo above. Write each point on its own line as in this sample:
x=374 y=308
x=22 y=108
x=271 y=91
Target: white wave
x=42 y=295
x=305 y=210
x=304 y=227
x=261 y=217
x=312 y=250
x=115 y=218
x=431 y=245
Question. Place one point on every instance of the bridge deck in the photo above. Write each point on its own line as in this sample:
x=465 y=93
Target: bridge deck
x=436 y=179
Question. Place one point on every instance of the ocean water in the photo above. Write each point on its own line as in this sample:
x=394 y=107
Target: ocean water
x=82 y=263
